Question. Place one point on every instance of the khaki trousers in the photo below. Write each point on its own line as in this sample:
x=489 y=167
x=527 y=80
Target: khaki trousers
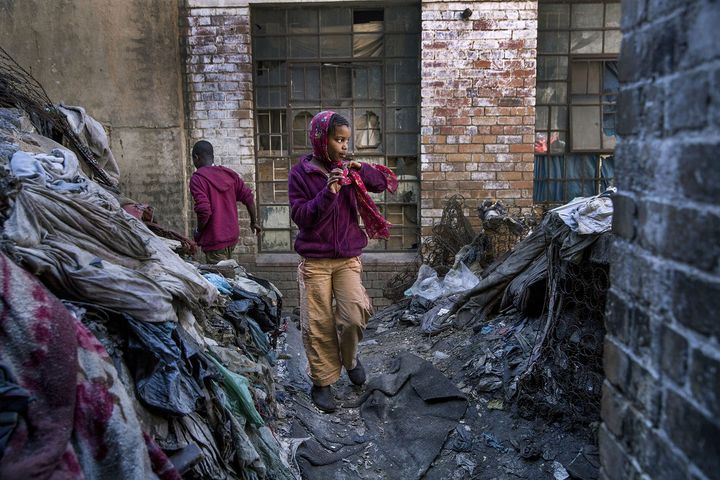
x=215 y=256
x=331 y=333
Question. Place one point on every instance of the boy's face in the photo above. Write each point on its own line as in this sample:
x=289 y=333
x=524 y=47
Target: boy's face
x=338 y=143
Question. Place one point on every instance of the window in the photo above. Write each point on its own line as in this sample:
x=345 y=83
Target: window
x=362 y=62
x=577 y=86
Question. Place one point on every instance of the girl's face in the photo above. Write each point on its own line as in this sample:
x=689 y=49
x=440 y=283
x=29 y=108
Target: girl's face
x=338 y=143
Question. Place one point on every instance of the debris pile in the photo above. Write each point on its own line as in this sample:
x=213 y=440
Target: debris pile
x=535 y=315
x=453 y=241
x=122 y=360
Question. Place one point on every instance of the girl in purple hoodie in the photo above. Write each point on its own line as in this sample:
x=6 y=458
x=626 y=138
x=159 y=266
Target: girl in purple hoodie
x=327 y=193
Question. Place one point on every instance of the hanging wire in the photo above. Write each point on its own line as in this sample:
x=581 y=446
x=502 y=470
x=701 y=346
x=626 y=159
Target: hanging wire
x=19 y=89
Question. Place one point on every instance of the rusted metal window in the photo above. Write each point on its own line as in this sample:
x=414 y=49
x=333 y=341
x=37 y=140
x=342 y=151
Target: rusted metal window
x=362 y=62
x=577 y=86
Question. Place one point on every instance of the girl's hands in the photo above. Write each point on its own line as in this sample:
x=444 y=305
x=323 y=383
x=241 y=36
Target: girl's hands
x=333 y=183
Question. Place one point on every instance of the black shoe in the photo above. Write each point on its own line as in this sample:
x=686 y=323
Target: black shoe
x=323 y=398
x=357 y=374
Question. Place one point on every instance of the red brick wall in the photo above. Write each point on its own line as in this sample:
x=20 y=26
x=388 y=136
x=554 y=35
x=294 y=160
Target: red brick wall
x=478 y=104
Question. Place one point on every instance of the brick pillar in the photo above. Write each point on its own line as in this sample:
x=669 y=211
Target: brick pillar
x=661 y=398
x=218 y=92
x=478 y=103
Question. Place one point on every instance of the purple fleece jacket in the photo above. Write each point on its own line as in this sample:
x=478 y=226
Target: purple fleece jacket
x=328 y=222
x=216 y=191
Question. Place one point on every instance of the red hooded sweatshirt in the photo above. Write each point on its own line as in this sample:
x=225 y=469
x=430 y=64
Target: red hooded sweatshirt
x=216 y=191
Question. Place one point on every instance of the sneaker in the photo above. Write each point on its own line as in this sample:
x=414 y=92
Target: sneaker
x=357 y=374
x=323 y=398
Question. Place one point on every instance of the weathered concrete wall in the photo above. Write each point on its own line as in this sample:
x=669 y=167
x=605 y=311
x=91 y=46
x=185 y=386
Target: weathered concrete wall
x=661 y=399
x=478 y=104
x=121 y=61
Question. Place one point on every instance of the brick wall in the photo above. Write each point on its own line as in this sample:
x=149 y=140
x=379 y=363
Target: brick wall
x=661 y=398
x=218 y=92
x=478 y=104
x=282 y=270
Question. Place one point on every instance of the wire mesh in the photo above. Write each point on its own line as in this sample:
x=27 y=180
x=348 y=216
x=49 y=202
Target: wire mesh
x=566 y=380
x=438 y=250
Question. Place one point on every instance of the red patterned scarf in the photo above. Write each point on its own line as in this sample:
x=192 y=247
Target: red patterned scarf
x=376 y=225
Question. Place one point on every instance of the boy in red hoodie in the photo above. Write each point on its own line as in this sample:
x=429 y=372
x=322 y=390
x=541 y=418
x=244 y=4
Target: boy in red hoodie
x=216 y=191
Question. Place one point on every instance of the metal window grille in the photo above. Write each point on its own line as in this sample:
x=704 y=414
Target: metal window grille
x=578 y=45
x=362 y=62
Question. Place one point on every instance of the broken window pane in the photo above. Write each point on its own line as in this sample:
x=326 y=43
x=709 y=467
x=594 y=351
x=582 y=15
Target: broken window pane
x=302 y=21
x=407 y=192
x=301 y=122
x=271 y=131
x=587 y=15
x=368 y=38
x=335 y=20
x=553 y=17
x=366 y=125
x=585 y=127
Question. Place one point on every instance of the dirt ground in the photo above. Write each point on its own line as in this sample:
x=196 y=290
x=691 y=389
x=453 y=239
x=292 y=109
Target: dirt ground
x=491 y=441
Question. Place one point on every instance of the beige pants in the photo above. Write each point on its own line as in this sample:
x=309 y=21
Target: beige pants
x=215 y=256
x=331 y=333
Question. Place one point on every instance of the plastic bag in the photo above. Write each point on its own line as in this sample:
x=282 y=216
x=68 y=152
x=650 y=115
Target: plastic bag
x=459 y=279
x=430 y=287
x=427 y=284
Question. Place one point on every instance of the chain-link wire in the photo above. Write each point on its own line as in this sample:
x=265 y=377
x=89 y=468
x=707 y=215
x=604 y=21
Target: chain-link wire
x=566 y=380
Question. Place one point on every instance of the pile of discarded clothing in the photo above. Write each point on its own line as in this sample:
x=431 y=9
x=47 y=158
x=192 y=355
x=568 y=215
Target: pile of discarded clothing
x=535 y=315
x=119 y=359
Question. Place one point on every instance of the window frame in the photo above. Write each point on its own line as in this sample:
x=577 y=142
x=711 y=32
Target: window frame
x=570 y=152
x=386 y=202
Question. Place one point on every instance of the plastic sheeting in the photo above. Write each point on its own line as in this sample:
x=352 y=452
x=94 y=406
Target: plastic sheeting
x=93 y=133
